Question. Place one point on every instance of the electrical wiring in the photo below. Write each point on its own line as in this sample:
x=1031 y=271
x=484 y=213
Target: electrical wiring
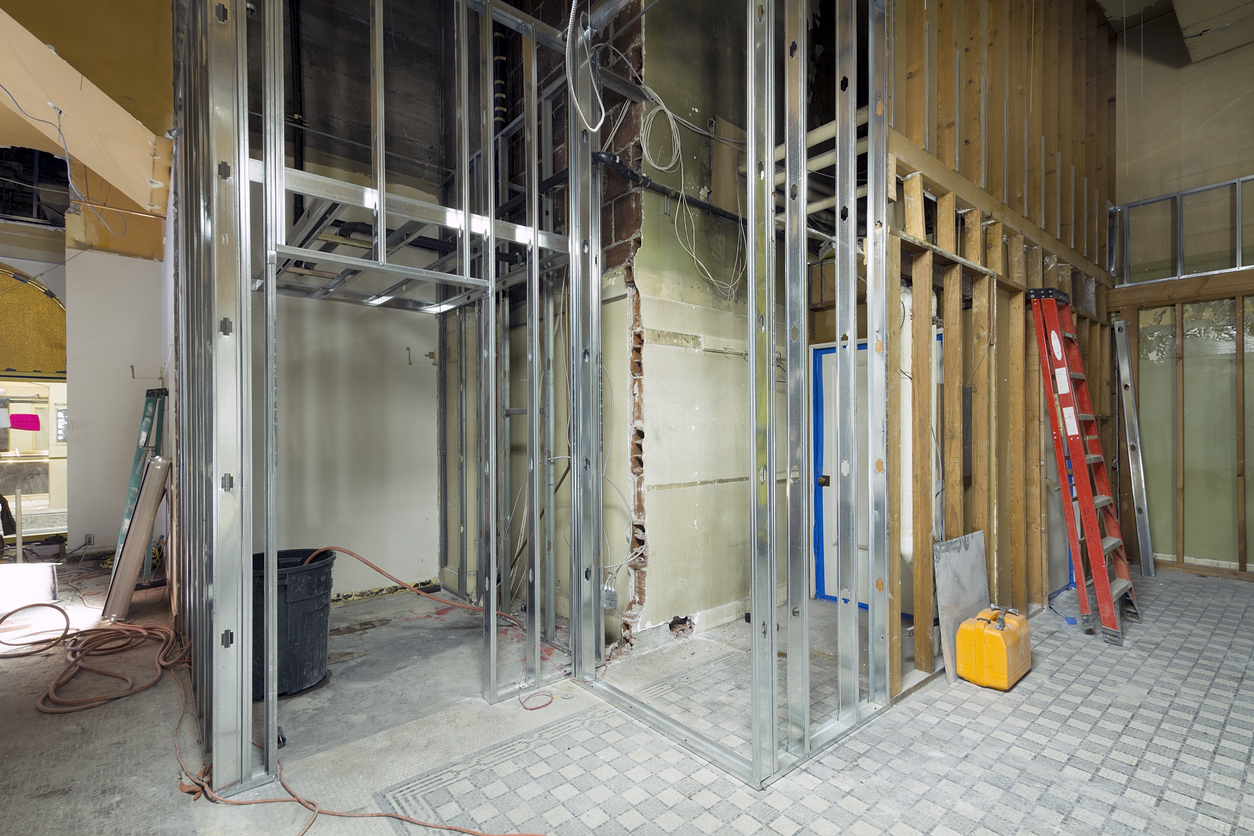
x=412 y=589
x=570 y=76
x=685 y=217
x=199 y=786
x=69 y=173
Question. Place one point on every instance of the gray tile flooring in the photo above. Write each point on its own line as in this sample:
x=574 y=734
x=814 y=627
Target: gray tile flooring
x=1155 y=737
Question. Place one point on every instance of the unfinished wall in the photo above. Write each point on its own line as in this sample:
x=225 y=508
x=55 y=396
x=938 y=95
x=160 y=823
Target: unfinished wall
x=1181 y=124
x=693 y=389
x=114 y=352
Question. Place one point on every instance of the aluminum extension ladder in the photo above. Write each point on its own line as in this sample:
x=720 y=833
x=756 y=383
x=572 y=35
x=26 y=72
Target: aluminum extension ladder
x=1103 y=564
x=151 y=424
x=1132 y=434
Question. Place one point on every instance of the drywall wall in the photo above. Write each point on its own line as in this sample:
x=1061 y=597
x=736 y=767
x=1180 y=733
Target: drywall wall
x=695 y=378
x=357 y=438
x=114 y=352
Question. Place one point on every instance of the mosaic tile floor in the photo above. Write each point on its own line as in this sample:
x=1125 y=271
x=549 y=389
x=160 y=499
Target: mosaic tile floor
x=1156 y=736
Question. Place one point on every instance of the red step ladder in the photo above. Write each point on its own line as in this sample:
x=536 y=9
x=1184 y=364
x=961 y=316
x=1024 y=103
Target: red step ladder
x=1103 y=563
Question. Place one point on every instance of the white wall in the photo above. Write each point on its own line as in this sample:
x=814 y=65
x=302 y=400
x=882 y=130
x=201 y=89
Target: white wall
x=114 y=351
x=357 y=438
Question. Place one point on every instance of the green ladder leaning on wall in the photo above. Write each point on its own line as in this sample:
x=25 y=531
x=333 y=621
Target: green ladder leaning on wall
x=149 y=444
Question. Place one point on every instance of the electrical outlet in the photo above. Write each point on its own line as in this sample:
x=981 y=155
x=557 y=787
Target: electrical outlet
x=89 y=539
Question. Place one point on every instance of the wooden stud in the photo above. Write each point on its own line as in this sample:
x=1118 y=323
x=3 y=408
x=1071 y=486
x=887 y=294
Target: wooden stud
x=1241 y=533
x=892 y=464
x=947 y=222
x=1101 y=157
x=954 y=381
x=1049 y=117
x=1092 y=83
x=1033 y=418
x=1066 y=112
x=1179 y=432
x=947 y=83
x=1017 y=143
x=980 y=495
x=1035 y=49
x=1015 y=418
x=916 y=116
x=913 y=190
x=997 y=107
x=1075 y=170
x=974 y=60
x=921 y=434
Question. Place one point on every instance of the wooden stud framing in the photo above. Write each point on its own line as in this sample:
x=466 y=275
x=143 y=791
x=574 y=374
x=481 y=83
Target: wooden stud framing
x=1016 y=417
x=1034 y=476
x=1048 y=45
x=1241 y=533
x=1018 y=142
x=974 y=91
x=1035 y=48
x=1179 y=432
x=1066 y=114
x=913 y=190
x=997 y=106
x=921 y=389
x=892 y=465
x=947 y=82
x=917 y=57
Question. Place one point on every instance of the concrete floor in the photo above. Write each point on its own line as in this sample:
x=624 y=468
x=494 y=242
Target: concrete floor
x=1152 y=737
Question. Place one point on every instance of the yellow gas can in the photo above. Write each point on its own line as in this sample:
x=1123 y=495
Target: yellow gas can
x=994 y=649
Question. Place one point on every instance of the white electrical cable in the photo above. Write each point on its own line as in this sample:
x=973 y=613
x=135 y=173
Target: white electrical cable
x=570 y=76
x=69 y=173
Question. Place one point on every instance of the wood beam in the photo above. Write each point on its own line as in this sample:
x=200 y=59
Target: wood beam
x=97 y=131
x=939 y=179
x=1034 y=476
x=1015 y=418
x=947 y=84
x=974 y=90
x=921 y=433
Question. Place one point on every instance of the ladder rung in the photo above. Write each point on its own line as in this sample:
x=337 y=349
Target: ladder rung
x=1068 y=335
x=1101 y=500
x=1092 y=438
x=1093 y=458
x=1109 y=544
x=1118 y=588
x=1084 y=416
x=1077 y=376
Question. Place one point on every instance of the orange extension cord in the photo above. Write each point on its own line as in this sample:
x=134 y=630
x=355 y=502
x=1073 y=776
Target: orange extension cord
x=121 y=637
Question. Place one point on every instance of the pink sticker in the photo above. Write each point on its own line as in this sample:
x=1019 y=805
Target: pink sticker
x=24 y=422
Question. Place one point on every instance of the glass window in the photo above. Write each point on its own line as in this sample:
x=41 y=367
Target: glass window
x=1156 y=396
x=1210 y=433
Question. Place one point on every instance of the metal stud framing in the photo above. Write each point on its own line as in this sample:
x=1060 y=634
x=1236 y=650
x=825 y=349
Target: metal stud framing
x=215 y=404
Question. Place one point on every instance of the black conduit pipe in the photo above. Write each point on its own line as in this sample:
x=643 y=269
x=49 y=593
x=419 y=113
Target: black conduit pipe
x=629 y=174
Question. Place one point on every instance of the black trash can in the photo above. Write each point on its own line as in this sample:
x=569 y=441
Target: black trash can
x=304 y=620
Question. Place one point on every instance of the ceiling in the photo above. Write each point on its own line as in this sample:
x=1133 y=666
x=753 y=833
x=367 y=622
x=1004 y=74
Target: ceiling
x=1208 y=27
x=122 y=46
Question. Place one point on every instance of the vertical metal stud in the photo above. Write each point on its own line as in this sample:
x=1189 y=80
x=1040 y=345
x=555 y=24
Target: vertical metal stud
x=274 y=228
x=489 y=380
x=761 y=336
x=535 y=391
x=845 y=442
x=798 y=484
x=587 y=634
x=378 y=132
x=877 y=355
